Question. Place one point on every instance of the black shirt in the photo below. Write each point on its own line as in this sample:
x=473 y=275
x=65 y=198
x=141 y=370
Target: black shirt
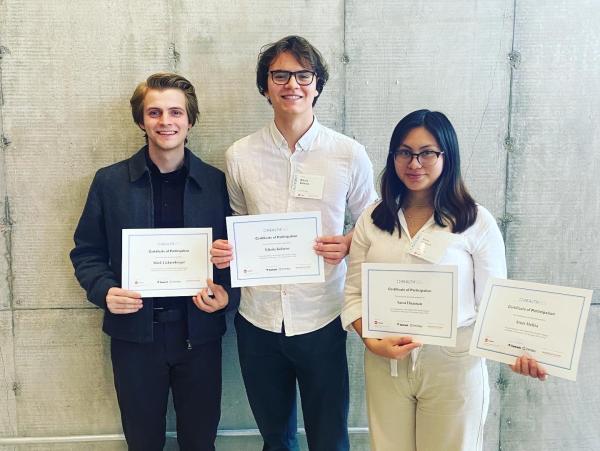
x=167 y=199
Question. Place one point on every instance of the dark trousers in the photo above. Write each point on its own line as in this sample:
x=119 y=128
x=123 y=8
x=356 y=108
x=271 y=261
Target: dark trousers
x=143 y=375
x=271 y=364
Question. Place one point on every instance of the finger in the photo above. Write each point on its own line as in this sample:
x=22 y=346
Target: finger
x=329 y=245
x=202 y=305
x=116 y=291
x=131 y=294
x=220 y=260
x=217 y=289
x=124 y=302
x=403 y=351
x=401 y=340
x=122 y=310
x=533 y=369
x=330 y=239
x=525 y=366
x=516 y=367
x=222 y=265
x=331 y=255
x=220 y=252
x=222 y=245
x=332 y=261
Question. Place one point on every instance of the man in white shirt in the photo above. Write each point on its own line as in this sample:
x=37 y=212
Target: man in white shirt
x=289 y=333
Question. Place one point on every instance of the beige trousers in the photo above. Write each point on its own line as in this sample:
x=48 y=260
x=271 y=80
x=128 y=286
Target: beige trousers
x=437 y=401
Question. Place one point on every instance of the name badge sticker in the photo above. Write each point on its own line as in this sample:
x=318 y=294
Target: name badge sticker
x=308 y=186
x=432 y=246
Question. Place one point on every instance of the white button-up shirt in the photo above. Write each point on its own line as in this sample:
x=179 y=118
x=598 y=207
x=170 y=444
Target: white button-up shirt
x=478 y=252
x=260 y=169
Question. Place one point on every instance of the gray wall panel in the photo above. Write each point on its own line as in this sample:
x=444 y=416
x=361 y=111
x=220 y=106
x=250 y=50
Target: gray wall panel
x=218 y=46
x=66 y=74
x=5 y=230
x=66 y=84
x=558 y=414
x=410 y=55
x=63 y=372
x=8 y=412
x=554 y=196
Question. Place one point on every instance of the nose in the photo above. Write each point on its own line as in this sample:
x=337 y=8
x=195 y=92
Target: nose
x=164 y=118
x=292 y=82
x=414 y=163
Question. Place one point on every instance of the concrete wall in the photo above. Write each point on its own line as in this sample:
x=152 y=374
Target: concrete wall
x=519 y=79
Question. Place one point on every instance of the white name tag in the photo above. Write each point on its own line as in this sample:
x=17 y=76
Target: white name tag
x=431 y=246
x=308 y=186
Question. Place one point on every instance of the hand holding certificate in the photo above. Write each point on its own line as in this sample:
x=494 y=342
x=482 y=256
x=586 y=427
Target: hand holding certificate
x=411 y=300
x=275 y=249
x=166 y=262
x=546 y=322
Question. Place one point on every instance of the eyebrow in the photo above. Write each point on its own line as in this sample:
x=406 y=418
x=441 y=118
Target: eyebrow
x=426 y=146
x=170 y=108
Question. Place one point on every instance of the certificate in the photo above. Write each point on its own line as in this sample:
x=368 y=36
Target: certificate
x=275 y=249
x=545 y=322
x=166 y=262
x=420 y=301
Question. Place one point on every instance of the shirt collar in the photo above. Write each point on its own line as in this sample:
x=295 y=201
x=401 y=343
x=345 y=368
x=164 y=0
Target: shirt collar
x=140 y=163
x=304 y=143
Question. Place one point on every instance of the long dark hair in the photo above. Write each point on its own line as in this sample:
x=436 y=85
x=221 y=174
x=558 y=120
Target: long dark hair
x=452 y=202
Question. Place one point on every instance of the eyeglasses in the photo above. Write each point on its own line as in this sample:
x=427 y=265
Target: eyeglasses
x=426 y=158
x=303 y=77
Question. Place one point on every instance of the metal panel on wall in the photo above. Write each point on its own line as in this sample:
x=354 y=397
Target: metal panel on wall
x=554 y=203
x=404 y=56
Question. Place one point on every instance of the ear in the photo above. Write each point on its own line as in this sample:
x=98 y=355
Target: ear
x=142 y=127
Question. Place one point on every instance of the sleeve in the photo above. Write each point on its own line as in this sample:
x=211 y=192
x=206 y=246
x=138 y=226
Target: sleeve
x=237 y=199
x=90 y=256
x=352 y=308
x=489 y=258
x=362 y=191
x=222 y=276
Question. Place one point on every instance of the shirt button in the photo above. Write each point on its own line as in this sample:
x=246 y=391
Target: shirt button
x=283 y=292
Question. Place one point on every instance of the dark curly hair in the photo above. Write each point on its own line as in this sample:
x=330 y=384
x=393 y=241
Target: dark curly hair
x=302 y=50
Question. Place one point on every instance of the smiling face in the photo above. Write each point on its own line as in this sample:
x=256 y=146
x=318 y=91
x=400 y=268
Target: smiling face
x=415 y=176
x=291 y=99
x=166 y=121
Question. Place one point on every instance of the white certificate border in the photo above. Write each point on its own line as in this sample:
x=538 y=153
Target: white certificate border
x=276 y=218
x=453 y=329
x=576 y=341
x=138 y=233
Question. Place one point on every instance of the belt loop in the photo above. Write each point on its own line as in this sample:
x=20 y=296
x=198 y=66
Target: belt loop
x=414 y=355
x=393 y=368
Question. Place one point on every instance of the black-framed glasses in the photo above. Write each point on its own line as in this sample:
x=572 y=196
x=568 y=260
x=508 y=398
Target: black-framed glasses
x=425 y=158
x=303 y=77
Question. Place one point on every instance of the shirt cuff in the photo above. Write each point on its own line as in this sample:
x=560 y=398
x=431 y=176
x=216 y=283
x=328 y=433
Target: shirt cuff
x=349 y=315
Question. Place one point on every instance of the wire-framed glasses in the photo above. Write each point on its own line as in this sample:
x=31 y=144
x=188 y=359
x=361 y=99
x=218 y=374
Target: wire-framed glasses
x=425 y=158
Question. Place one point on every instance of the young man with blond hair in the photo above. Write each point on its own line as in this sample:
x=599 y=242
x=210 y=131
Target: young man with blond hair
x=158 y=344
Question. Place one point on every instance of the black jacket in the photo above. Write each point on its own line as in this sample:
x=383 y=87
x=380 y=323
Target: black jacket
x=120 y=197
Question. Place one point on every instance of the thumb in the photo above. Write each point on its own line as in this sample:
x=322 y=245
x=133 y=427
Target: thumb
x=401 y=341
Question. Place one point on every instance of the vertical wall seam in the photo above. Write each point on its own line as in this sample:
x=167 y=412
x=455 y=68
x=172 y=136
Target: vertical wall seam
x=508 y=140
x=502 y=382
x=345 y=60
x=6 y=222
x=6 y=226
x=174 y=55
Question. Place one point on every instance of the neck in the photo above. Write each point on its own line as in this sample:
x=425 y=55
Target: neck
x=292 y=128
x=418 y=199
x=167 y=161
